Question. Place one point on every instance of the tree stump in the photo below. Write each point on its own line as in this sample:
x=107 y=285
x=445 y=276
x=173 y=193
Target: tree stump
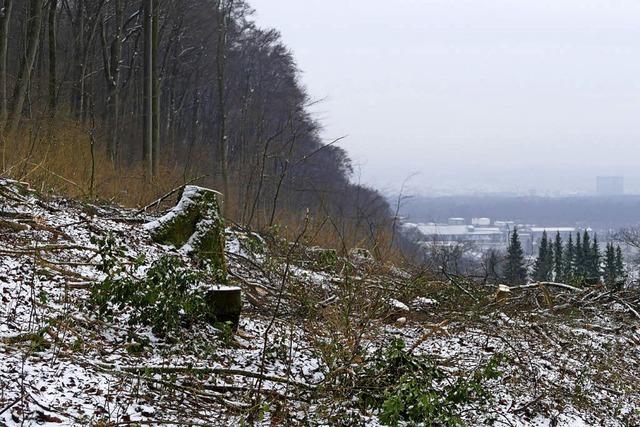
x=503 y=293
x=361 y=255
x=225 y=303
x=195 y=225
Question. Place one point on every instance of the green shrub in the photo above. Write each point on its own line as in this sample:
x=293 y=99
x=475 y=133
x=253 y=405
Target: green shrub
x=413 y=389
x=226 y=332
x=165 y=299
x=109 y=251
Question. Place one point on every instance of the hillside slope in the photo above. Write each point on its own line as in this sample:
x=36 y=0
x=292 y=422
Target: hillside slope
x=323 y=339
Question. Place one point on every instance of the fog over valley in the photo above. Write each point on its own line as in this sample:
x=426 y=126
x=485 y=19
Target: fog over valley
x=474 y=95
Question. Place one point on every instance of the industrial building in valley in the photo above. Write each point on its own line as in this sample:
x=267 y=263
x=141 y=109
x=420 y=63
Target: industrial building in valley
x=482 y=234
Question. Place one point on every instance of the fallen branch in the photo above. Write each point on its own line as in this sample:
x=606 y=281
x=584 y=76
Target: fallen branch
x=167 y=195
x=185 y=389
x=67 y=273
x=459 y=286
x=433 y=328
x=7 y=193
x=70 y=263
x=30 y=250
x=626 y=304
x=524 y=407
x=17 y=399
x=551 y=284
x=79 y=285
x=215 y=371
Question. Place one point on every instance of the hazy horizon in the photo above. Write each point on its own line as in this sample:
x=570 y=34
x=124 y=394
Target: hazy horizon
x=473 y=95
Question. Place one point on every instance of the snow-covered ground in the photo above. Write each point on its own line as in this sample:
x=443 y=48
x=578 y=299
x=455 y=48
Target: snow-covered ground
x=567 y=363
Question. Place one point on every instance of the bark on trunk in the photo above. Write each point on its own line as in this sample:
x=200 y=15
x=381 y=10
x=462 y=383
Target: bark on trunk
x=155 y=97
x=24 y=76
x=147 y=130
x=223 y=18
x=53 y=46
x=4 y=43
x=78 y=69
x=112 y=73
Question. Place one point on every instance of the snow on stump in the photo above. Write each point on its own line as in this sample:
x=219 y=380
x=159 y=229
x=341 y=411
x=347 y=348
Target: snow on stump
x=503 y=293
x=225 y=303
x=194 y=225
x=361 y=255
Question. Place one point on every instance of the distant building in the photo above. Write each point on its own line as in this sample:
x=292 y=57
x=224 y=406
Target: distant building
x=537 y=232
x=482 y=236
x=447 y=234
x=565 y=232
x=610 y=185
x=480 y=222
x=505 y=224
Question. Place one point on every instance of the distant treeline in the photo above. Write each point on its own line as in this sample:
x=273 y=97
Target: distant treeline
x=127 y=99
x=578 y=262
x=596 y=212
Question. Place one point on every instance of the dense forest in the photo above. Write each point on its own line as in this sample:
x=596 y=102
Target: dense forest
x=125 y=100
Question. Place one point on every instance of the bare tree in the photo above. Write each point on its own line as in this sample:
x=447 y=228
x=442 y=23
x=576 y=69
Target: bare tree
x=53 y=64
x=629 y=236
x=112 y=57
x=5 y=20
x=224 y=9
x=155 y=89
x=148 y=89
x=24 y=76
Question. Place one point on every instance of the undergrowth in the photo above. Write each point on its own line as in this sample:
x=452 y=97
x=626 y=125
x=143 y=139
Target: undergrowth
x=166 y=298
x=407 y=388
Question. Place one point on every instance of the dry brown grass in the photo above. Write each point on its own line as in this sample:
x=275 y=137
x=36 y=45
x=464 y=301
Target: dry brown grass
x=57 y=157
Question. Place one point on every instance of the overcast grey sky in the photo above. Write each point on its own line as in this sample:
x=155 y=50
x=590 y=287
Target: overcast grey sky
x=473 y=94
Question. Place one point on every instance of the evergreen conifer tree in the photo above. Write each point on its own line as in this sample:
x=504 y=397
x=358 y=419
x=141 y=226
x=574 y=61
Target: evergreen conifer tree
x=569 y=261
x=595 y=258
x=549 y=260
x=558 y=259
x=620 y=265
x=578 y=265
x=610 y=267
x=586 y=255
x=515 y=272
x=541 y=269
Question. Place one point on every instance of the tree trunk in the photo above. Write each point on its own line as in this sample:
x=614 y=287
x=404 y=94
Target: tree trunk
x=224 y=10
x=112 y=73
x=78 y=69
x=5 y=19
x=24 y=76
x=53 y=45
x=147 y=130
x=155 y=92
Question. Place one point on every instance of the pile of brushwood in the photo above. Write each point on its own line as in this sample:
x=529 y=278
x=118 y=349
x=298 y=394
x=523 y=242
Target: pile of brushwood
x=102 y=324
